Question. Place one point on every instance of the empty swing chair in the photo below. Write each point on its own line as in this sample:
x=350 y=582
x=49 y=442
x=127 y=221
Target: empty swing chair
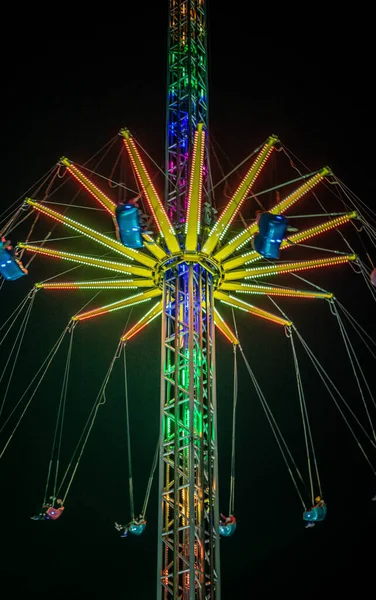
x=268 y=240
x=11 y=268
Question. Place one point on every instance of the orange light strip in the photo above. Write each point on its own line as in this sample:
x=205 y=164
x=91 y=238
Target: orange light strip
x=155 y=204
x=221 y=324
x=132 y=300
x=102 y=239
x=247 y=288
x=108 y=265
x=97 y=285
x=153 y=313
x=242 y=238
x=288 y=267
x=104 y=200
x=249 y=308
x=293 y=239
x=227 y=216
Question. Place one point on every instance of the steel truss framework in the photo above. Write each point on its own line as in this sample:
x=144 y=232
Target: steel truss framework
x=188 y=483
x=187 y=98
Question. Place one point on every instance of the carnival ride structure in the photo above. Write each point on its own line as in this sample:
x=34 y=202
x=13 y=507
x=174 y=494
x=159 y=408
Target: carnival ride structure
x=210 y=247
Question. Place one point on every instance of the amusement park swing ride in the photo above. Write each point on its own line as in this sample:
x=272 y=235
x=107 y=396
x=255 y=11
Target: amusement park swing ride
x=194 y=266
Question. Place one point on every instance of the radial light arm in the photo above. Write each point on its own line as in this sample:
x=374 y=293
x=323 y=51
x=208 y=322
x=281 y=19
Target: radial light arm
x=295 y=238
x=94 y=235
x=109 y=265
x=288 y=267
x=301 y=191
x=146 y=319
x=221 y=324
x=237 y=303
x=243 y=237
x=108 y=204
x=192 y=225
x=132 y=300
x=224 y=221
x=98 y=285
x=153 y=247
x=155 y=204
x=265 y=290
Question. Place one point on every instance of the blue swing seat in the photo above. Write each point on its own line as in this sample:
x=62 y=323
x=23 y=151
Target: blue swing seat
x=317 y=513
x=227 y=530
x=272 y=229
x=10 y=267
x=137 y=529
x=129 y=225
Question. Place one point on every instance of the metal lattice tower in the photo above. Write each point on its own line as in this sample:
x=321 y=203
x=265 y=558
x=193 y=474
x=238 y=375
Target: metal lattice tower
x=187 y=97
x=188 y=546
x=188 y=554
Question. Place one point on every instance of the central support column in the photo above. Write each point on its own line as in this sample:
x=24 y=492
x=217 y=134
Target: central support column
x=188 y=547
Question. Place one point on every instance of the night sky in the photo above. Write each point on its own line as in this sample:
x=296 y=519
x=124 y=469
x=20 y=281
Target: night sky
x=67 y=90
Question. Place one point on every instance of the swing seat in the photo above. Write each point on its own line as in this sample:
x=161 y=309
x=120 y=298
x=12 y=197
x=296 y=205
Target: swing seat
x=128 y=222
x=137 y=529
x=227 y=530
x=54 y=513
x=10 y=267
x=318 y=513
x=269 y=238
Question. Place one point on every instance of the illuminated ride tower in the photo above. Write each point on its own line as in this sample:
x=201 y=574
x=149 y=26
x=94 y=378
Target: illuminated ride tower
x=185 y=268
x=188 y=552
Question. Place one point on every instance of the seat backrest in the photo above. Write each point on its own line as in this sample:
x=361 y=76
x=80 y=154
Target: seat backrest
x=128 y=223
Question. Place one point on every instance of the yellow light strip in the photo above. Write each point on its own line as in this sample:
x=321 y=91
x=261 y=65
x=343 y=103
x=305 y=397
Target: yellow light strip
x=224 y=221
x=108 y=204
x=109 y=265
x=137 y=299
x=258 y=312
x=295 y=238
x=301 y=236
x=288 y=267
x=247 y=288
x=94 y=235
x=97 y=285
x=192 y=224
x=221 y=324
x=154 y=312
x=301 y=191
x=242 y=238
x=153 y=247
x=155 y=204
